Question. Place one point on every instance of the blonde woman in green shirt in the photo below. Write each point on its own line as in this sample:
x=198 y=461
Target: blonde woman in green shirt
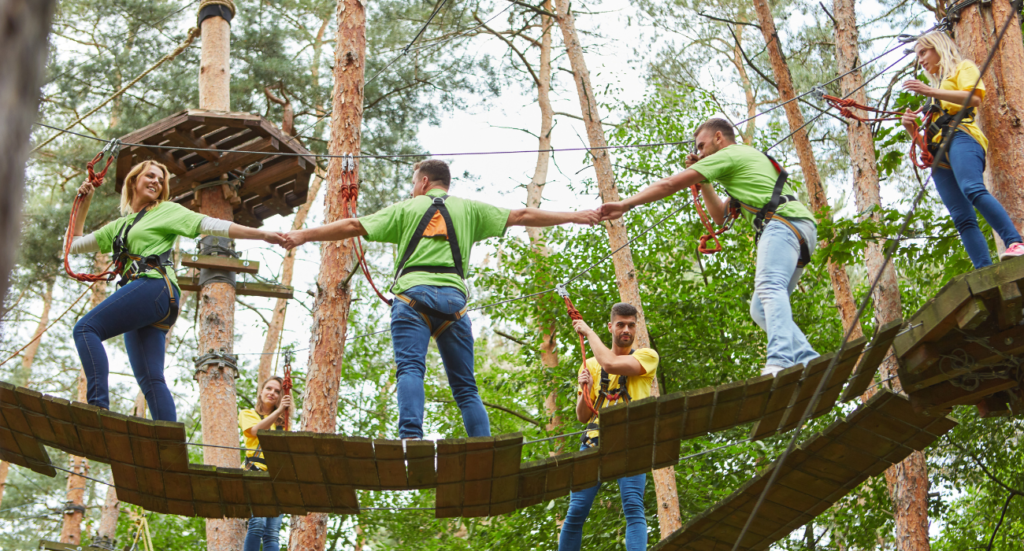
x=143 y=309
x=435 y=234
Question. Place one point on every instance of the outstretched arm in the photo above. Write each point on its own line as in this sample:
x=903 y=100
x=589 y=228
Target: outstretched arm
x=335 y=231
x=654 y=192
x=543 y=218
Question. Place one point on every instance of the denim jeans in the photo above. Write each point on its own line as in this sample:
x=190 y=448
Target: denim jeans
x=962 y=189
x=263 y=530
x=631 y=492
x=410 y=336
x=130 y=311
x=777 y=254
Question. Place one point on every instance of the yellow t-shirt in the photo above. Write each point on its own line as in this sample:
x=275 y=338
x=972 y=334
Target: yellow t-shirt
x=638 y=386
x=963 y=79
x=247 y=419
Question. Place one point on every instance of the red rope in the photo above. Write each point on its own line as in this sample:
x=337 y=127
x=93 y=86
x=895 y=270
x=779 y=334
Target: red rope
x=349 y=198
x=575 y=315
x=96 y=179
x=704 y=219
x=919 y=154
x=286 y=388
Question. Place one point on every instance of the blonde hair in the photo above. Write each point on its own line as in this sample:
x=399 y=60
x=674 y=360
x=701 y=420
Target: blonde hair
x=259 y=393
x=949 y=54
x=128 y=190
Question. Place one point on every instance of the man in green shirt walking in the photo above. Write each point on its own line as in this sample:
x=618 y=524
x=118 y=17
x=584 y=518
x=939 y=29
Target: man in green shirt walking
x=787 y=238
x=435 y=234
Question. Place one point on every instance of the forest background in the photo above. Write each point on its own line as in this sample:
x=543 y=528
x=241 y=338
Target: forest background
x=659 y=68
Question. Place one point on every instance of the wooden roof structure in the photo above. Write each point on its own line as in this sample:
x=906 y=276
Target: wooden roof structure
x=277 y=183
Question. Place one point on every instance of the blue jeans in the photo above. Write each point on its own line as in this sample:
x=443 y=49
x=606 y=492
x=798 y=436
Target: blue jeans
x=411 y=336
x=777 y=254
x=263 y=530
x=631 y=492
x=130 y=311
x=962 y=189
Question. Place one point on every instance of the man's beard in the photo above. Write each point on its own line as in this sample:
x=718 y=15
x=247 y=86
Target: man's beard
x=623 y=342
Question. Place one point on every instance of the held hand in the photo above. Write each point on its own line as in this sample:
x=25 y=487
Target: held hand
x=286 y=402
x=612 y=211
x=691 y=158
x=587 y=217
x=292 y=239
x=581 y=327
x=584 y=378
x=86 y=189
x=274 y=238
x=917 y=87
x=909 y=119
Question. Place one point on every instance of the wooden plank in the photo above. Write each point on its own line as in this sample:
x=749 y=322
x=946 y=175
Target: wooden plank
x=586 y=468
x=343 y=499
x=756 y=399
x=115 y=433
x=243 y=288
x=866 y=368
x=986 y=281
x=229 y=162
x=1010 y=305
x=451 y=472
x=362 y=469
x=315 y=498
x=225 y=263
x=728 y=401
x=390 y=459
x=699 y=404
x=533 y=482
x=614 y=426
x=972 y=314
x=420 y=459
x=936 y=318
x=142 y=435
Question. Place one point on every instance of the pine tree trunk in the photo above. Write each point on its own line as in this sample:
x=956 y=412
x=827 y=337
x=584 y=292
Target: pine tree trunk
x=217 y=300
x=29 y=356
x=1001 y=115
x=819 y=202
x=625 y=272
x=273 y=338
x=908 y=480
x=24 y=25
x=5 y=468
x=337 y=259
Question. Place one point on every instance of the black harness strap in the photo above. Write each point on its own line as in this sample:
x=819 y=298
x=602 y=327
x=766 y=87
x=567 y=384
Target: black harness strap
x=453 y=242
x=942 y=125
x=137 y=265
x=767 y=213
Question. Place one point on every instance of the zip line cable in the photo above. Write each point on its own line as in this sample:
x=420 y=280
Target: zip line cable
x=891 y=248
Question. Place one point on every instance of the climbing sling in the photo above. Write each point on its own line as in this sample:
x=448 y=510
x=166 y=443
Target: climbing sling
x=437 y=207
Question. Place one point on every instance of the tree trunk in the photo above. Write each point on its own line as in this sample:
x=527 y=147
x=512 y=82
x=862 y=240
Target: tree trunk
x=669 y=519
x=44 y=319
x=217 y=299
x=819 y=202
x=1001 y=115
x=270 y=344
x=337 y=259
x=908 y=480
x=5 y=468
x=24 y=25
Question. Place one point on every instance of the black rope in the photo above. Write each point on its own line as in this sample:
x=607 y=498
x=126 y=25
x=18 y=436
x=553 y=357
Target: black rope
x=813 y=403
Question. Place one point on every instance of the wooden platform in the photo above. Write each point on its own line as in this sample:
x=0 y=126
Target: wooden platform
x=277 y=188
x=883 y=431
x=474 y=477
x=964 y=346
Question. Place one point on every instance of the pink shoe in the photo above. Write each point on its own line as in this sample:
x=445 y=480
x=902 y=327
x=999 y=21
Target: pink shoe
x=1017 y=249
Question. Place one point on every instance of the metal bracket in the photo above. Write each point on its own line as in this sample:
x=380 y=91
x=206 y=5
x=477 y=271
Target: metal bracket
x=561 y=290
x=216 y=246
x=220 y=359
x=818 y=92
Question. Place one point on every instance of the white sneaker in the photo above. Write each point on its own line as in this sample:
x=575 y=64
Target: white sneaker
x=771 y=369
x=1017 y=249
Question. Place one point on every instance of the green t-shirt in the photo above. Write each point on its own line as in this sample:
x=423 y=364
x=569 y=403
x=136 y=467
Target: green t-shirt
x=474 y=221
x=749 y=177
x=154 y=234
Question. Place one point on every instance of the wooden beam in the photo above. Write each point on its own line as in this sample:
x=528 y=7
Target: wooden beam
x=869 y=362
x=972 y=314
x=244 y=288
x=1010 y=305
x=237 y=265
x=230 y=161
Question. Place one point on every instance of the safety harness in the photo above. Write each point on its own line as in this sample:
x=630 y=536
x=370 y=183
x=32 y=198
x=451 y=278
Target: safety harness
x=605 y=395
x=257 y=455
x=943 y=124
x=762 y=216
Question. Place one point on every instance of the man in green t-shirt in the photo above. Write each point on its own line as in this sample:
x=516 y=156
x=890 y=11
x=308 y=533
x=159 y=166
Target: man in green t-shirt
x=749 y=177
x=435 y=234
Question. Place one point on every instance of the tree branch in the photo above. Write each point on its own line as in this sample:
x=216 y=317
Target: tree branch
x=512 y=46
x=730 y=21
x=510 y=337
x=535 y=9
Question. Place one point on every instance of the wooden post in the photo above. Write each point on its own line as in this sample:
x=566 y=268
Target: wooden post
x=908 y=480
x=337 y=259
x=1001 y=115
x=217 y=299
x=24 y=26
x=819 y=202
x=669 y=519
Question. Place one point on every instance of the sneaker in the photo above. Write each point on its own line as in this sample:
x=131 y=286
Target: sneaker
x=1017 y=249
x=771 y=369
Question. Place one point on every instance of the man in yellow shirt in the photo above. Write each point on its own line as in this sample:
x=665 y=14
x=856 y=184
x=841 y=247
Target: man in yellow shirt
x=614 y=375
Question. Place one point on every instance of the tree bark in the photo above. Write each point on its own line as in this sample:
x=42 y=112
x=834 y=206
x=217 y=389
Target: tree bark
x=337 y=259
x=1001 y=115
x=908 y=480
x=217 y=299
x=24 y=26
x=5 y=468
x=44 y=319
x=819 y=202
x=669 y=518
x=273 y=338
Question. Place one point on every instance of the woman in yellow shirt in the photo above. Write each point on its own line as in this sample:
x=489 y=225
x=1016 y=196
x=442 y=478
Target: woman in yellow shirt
x=270 y=413
x=959 y=177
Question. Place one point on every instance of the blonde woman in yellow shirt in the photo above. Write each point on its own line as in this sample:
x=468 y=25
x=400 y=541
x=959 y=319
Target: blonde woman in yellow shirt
x=269 y=414
x=959 y=177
